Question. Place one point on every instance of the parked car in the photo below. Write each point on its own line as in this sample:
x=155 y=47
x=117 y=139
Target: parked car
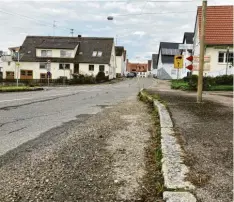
x=130 y=75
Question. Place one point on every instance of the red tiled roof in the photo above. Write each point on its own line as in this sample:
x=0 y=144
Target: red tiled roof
x=219 y=24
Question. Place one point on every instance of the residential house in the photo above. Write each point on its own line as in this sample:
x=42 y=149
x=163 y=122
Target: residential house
x=62 y=57
x=154 y=64
x=218 y=39
x=187 y=40
x=120 y=54
x=140 y=68
x=165 y=62
x=149 y=67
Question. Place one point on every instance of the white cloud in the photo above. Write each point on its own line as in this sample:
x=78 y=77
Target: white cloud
x=135 y=32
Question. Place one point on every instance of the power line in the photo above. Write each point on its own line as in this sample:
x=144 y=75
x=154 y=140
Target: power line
x=181 y=12
x=33 y=19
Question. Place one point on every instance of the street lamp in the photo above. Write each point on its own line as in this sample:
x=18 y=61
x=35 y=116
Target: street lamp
x=110 y=18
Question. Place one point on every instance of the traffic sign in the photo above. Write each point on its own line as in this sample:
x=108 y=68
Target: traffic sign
x=17 y=64
x=185 y=46
x=178 y=61
x=190 y=58
x=189 y=67
x=196 y=59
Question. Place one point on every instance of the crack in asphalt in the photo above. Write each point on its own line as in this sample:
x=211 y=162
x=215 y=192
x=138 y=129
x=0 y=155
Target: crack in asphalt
x=17 y=130
x=38 y=101
x=17 y=120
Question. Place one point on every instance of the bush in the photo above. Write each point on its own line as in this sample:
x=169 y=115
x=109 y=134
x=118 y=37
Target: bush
x=118 y=75
x=100 y=77
x=224 y=80
x=82 y=79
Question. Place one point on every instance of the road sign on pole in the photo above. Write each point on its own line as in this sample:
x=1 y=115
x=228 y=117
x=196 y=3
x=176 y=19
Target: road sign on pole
x=178 y=61
x=185 y=46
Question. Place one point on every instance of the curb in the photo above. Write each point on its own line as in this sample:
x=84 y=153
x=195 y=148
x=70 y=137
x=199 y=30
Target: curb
x=173 y=168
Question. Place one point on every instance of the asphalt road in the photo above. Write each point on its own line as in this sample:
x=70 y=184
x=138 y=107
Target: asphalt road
x=24 y=116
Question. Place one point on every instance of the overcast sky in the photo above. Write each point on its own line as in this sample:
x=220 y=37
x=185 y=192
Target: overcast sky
x=139 y=34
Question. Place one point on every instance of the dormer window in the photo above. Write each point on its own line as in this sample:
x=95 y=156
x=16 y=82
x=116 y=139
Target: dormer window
x=94 y=53
x=97 y=53
x=46 y=53
x=65 y=53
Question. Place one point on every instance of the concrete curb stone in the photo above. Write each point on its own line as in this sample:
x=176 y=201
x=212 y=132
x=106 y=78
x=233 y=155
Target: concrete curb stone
x=173 y=168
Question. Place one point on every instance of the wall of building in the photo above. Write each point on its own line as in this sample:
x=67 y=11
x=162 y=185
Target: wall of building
x=35 y=67
x=119 y=64
x=113 y=62
x=216 y=68
x=84 y=69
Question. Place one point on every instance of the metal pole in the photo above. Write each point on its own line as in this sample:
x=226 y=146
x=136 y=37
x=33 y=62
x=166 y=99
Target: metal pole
x=48 y=76
x=64 y=74
x=202 y=52
x=17 y=71
x=177 y=74
x=227 y=57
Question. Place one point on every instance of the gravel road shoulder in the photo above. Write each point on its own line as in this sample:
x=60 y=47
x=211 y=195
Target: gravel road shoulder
x=94 y=158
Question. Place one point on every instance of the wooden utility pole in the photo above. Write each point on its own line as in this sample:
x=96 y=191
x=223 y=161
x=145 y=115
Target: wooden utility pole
x=202 y=52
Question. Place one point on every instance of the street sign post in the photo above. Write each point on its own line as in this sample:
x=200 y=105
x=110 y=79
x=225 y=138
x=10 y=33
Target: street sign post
x=48 y=71
x=178 y=63
x=185 y=46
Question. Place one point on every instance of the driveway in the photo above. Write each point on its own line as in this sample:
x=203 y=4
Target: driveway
x=205 y=132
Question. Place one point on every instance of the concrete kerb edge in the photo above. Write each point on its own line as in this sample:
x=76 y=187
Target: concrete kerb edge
x=173 y=168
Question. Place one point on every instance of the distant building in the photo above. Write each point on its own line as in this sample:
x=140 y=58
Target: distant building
x=62 y=57
x=154 y=62
x=140 y=68
x=165 y=62
x=218 y=38
x=120 y=54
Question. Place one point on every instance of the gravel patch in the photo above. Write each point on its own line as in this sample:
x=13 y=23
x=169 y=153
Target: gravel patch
x=205 y=132
x=94 y=158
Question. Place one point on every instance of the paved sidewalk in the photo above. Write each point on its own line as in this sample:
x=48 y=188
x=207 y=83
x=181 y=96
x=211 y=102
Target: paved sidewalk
x=205 y=132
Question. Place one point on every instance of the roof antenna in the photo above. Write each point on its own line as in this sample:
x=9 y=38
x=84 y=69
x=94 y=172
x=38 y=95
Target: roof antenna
x=72 y=31
x=54 y=26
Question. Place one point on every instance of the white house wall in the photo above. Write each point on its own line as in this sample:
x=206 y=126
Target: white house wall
x=216 y=68
x=112 y=69
x=84 y=69
x=35 y=67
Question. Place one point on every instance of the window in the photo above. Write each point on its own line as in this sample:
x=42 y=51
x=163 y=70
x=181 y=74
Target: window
x=42 y=76
x=45 y=76
x=9 y=63
x=46 y=53
x=94 y=53
x=65 y=53
x=101 y=68
x=91 y=67
x=67 y=66
x=42 y=65
x=23 y=73
x=99 y=54
x=230 y=57
x=30 y=73
x=9 y=75
x=221 y=57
